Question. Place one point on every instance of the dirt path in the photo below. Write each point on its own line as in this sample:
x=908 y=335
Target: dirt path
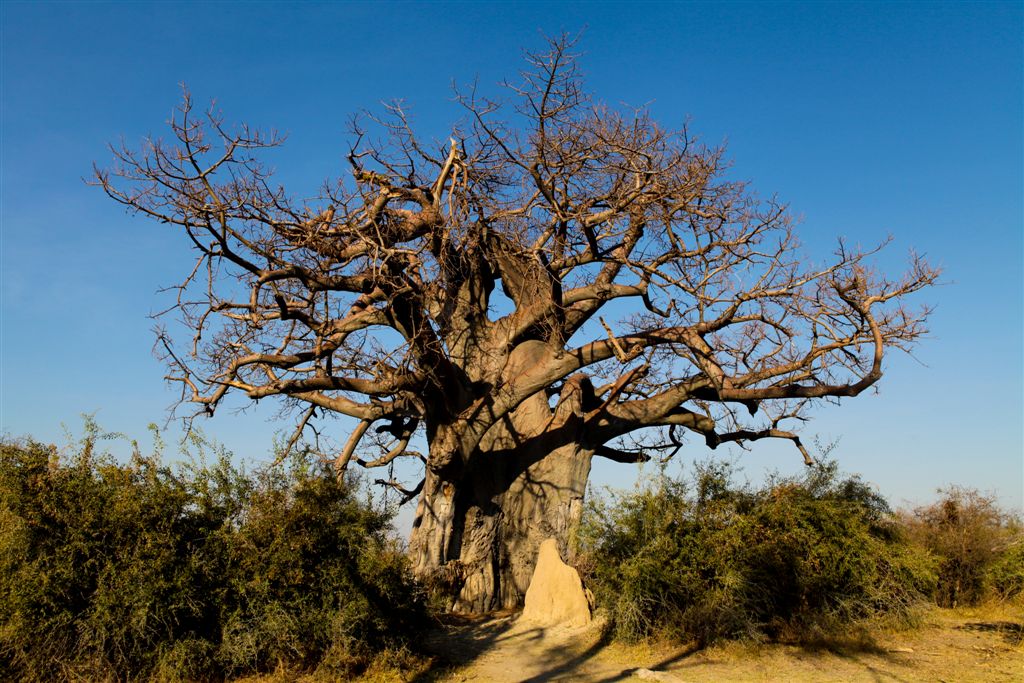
x=961 y=645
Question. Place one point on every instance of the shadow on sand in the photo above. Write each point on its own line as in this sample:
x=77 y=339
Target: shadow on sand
x=461 y=641
x=1011 y=631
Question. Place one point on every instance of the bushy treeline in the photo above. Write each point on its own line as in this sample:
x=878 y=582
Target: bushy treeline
x=139 y=570
x=136 y=571
x=979 y=547
x=798 y=558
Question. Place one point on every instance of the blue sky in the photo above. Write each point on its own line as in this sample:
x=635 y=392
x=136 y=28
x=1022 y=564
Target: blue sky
x=868 y=119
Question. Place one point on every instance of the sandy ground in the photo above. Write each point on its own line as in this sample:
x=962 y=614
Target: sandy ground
x=953 y=645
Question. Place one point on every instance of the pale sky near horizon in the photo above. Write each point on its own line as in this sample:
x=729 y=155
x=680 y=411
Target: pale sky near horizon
x=868 y=119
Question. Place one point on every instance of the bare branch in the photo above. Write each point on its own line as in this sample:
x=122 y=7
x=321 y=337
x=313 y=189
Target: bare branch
x=625 y=254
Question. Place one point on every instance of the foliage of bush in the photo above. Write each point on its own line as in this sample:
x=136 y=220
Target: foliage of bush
x=980 y=547
x=1005 y=577
x=713 y=559
x=140 y=571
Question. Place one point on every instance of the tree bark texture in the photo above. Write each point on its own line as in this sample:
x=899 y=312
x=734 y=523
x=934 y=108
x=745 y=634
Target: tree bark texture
x=478 y=526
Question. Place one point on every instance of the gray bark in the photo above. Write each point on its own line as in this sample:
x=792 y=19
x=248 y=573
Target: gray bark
x=479 y=525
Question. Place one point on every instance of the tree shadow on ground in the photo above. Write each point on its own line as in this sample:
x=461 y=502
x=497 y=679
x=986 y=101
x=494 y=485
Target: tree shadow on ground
x=852 y=645
x=1011 y=631
x=674 y=658
x=859 y=649
x=460 y=641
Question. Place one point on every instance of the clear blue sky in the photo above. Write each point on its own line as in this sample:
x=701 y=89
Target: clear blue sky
x=869 y=119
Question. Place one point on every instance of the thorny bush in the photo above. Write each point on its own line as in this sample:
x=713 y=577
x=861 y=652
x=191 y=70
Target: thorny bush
x=136 y=571
x=709 y=558
x=979 y=545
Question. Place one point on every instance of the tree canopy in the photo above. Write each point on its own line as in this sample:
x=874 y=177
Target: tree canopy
x=645 y=294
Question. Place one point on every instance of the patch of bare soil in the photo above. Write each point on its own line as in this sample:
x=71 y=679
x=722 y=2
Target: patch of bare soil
x=952 y=645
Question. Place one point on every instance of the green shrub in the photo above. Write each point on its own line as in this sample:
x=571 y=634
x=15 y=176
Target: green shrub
x=712 y=559
x=1005 y=576
x=138 y=571
x=977 y=543
x=98 y=568
x=315 y=582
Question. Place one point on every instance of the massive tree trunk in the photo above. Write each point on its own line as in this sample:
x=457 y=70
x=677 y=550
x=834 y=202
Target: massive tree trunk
x=480 y=522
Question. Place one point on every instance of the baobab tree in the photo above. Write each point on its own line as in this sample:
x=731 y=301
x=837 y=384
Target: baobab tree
x=559 y=280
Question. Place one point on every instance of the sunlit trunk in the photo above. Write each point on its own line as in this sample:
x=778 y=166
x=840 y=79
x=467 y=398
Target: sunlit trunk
x=478 y=526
